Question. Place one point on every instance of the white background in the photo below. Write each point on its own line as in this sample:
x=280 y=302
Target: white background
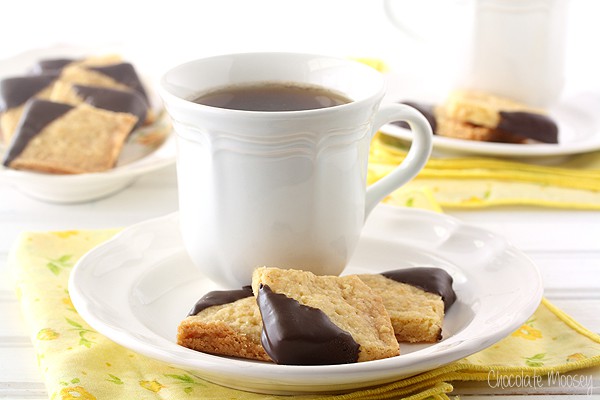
x=170 y=31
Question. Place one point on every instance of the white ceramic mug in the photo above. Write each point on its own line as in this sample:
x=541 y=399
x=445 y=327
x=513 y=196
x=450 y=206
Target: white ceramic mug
x=513 y=48
x=284 y=189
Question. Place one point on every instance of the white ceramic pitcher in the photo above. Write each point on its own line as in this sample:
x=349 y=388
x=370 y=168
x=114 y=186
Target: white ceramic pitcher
x=514 y=48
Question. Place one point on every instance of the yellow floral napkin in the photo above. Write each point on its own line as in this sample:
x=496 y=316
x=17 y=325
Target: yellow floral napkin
x=470 y=182
x=78 y=363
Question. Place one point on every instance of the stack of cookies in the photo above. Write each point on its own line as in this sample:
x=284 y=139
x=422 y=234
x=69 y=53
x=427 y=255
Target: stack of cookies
x=480 y=116
x=295 y=317
x=71 y=115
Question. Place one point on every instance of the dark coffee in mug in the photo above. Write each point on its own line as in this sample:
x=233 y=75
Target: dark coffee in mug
x=272 y=96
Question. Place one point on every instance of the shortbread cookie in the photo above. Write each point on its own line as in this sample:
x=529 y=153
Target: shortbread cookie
x=310 y=319
x=59 y=138
x=498 y=113
x=415 y=299
x=463 y=130
x=115 y=76
x=225 y=323
x=126 y=101
x=14 y=93
x=121 y=76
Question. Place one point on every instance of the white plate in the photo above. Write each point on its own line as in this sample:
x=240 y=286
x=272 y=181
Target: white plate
x=136 y=158
x=136 y=288
x=57 y=188
x=578 y=123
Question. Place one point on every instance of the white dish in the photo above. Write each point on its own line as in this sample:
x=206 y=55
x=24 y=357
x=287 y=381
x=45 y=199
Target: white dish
x=579 y=132
x=136 y=158
x=136 y=288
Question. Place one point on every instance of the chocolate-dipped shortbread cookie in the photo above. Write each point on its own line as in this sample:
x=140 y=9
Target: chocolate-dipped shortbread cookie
x=312 y=320
x=60 y=138
x=126 y=101
x=460 y=130
x=121 y=76
x=503 y=119
x=116 y=76
x=485 y=117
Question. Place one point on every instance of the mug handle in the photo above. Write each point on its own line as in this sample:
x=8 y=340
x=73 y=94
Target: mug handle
x=418 y=154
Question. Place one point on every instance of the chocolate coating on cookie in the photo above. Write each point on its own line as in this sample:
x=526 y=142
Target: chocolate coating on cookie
x=424 y=108
x=530 y=125
x=15 y=91
x=295 y=334
x=37 y=114
x=123 y=73
x=220 y=297
x=51 y=65
x=432 y=280
x=114 y=100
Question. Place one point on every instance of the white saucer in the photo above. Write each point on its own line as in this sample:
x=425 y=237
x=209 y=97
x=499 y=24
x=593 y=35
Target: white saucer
x=136 y=158
x=578 y=124
x=136 y=288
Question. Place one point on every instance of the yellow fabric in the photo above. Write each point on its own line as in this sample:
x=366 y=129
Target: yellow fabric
x=79 y=363
x=472 y=182
x=374 y=63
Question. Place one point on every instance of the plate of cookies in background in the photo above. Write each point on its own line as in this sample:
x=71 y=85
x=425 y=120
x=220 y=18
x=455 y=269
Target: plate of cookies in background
x=75 y=128
x=474 y=122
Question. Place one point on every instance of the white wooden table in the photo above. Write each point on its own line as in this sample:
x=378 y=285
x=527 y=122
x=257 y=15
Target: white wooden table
x=565 y=244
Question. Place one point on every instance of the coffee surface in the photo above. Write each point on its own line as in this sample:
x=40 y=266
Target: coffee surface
x=272 y=97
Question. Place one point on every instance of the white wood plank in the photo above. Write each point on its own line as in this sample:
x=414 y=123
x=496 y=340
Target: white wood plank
x=569 y=274
x=18 y=364
x=13 y=324
x=584 y=312
x=23 y=390
x=537 y=229
x=144 y=204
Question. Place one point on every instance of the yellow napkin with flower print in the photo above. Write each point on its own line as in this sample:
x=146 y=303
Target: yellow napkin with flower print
x=78 y=363
x=471 y=182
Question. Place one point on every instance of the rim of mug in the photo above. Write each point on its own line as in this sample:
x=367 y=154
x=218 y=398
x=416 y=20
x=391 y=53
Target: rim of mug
x=376 y=95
